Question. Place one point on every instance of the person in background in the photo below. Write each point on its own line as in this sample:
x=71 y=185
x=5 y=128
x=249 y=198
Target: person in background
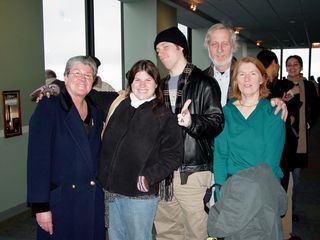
x=195 y=98
x=63 y=154
x=221 y=43
x=279 y=88
x=99 y=84
x=252 y=134
x=50 y=76
x=308 y=112
x=102 y=86
x=142 y=145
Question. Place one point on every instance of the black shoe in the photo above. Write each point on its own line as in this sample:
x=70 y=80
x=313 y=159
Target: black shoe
x=295 y=218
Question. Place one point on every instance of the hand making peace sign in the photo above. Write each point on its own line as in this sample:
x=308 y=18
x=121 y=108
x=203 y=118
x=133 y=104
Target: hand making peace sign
x=184 y=118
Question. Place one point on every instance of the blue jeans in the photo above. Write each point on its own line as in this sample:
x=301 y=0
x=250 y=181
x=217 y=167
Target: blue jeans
x=131 y=218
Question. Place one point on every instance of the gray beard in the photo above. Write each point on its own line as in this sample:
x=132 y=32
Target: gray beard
x=221 y=64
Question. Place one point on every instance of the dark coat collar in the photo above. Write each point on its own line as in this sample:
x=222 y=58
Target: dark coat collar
x=66 y=100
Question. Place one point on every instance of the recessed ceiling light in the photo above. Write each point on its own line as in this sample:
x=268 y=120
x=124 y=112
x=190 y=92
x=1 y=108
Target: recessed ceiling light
x=237 y=30
x=316 y=44
x=259 y=43
x=193 y=6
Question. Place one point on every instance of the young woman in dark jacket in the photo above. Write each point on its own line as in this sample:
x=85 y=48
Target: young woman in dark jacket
x=142 y=145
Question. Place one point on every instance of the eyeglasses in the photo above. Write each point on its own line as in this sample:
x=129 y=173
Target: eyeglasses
x=79 y=75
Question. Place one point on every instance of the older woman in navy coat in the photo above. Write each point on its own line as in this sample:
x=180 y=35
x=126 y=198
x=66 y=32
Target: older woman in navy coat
x=64 y=147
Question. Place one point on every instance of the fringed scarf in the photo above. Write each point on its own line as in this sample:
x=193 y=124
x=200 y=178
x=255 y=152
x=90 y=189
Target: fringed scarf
x=166 y=186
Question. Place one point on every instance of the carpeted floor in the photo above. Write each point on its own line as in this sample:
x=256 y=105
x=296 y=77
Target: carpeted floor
x=308 y=196
x=20 y=227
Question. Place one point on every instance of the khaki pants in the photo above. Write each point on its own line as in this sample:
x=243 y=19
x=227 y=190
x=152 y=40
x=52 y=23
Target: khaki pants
x=287 y=219
x=184 y=217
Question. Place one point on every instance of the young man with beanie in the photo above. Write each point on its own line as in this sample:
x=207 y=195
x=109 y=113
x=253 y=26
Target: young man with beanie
x=195 y=98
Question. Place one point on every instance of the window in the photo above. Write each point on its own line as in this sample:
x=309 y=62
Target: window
x=303 y=53
x=107 y=21
x=183 y=29
x=315 y=62
x=64 y=33
x=278 y=53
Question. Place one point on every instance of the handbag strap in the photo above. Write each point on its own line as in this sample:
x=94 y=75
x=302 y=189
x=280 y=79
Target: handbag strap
x=113 y=106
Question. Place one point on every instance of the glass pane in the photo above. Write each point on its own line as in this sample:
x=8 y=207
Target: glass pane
x=315 y=63
x=108 y=41
x=64 y=32
x=183 y=29
x=278 y=54
x=303 y=53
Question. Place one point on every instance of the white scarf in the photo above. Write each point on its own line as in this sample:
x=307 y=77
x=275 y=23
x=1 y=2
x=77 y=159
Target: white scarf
x=135 y=102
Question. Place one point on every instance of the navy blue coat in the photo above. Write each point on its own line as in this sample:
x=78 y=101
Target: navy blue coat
x=62 y=169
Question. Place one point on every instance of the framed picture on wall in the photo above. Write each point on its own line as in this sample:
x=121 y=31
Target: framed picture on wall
x=11 y=113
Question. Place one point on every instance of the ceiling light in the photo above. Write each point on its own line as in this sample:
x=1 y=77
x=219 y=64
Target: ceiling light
x=193 y=6
x=259 y=43
x=237 y=30
x=316 y=44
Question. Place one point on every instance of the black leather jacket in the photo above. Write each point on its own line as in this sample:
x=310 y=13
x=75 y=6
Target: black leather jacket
x=207 y=121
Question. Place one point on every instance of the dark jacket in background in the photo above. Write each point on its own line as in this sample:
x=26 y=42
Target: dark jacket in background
x=287 y=163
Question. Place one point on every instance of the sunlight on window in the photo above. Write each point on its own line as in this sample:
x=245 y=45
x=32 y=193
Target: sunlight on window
x=183 y=29
x=64 y=32
x=107 y=20
x=303 y=53
x=315 y=62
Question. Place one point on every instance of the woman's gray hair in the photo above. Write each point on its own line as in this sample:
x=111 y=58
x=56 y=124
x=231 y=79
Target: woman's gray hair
x=220 y=26
x=86 y=60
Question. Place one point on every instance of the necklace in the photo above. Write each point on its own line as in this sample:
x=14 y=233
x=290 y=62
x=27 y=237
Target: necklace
x=242 y=105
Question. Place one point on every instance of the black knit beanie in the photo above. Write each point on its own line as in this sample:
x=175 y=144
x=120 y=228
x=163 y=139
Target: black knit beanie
x=173 y=35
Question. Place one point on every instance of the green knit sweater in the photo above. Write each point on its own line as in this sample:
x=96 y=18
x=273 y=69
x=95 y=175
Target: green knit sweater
x=245 y=143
